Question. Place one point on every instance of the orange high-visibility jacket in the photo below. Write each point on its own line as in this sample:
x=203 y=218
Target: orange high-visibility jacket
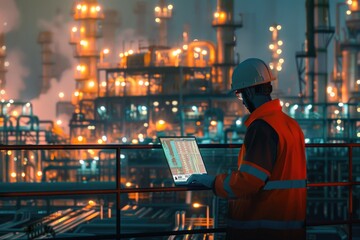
x=259 y=199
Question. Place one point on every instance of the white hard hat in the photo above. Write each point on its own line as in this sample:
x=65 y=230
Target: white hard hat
x=251 y=72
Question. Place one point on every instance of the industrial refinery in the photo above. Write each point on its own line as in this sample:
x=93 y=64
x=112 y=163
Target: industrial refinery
x=97 y=170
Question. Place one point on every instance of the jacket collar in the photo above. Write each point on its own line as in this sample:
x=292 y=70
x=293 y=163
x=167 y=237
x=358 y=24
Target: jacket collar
x=265 y=109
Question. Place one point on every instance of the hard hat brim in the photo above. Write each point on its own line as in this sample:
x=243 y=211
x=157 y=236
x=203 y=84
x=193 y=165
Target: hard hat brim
x=251 y=72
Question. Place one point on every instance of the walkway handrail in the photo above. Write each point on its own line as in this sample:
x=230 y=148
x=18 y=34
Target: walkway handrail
x=118 y=190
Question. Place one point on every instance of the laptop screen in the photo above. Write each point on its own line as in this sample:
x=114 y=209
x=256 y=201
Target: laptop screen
x=183 y=157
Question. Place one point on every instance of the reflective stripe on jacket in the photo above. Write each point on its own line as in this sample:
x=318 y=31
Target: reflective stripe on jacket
x=263 y=199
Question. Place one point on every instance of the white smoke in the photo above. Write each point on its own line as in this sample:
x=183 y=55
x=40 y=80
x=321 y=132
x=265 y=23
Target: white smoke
x=16 y=71
x=16 y=74
x=9 y=15
x=45 y=104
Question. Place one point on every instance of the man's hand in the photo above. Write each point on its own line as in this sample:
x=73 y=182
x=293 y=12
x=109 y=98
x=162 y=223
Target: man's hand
x=203 y=179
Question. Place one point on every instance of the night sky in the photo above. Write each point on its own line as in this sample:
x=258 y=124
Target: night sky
x=26 y=18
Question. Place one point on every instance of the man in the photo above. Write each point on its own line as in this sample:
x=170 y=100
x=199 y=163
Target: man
x=267 y=194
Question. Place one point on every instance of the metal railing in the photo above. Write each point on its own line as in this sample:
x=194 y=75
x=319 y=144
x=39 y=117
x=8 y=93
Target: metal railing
x=118 y=190
x=350 y=183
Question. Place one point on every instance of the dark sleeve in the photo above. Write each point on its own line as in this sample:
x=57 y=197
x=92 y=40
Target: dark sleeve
x=261 y=143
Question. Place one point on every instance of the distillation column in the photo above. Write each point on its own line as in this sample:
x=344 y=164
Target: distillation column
x=45 y=40
x=337 y=69
x=3 y=64
x=163 y=13
x=110 y=24
x=84 y=37
x=323 y=34
x=226 y=40
x=350 y=55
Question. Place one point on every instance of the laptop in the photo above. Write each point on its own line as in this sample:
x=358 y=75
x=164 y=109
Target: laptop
x=183 y=157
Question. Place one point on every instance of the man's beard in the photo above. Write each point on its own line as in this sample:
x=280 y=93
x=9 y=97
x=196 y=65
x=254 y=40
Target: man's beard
x=250 y=106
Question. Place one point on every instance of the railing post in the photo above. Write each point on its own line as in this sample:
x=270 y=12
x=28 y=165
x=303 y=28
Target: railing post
x=118 y=191
x=350 y=192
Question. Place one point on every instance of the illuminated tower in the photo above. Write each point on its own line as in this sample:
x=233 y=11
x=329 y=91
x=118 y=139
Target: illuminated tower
x=322 y=36
x=45 y=40
x=3 y=63
x=84 y=35
x=163 y=13
x=350 y=54
x=225 y=25
x=109 y=26
x=313 y=60
x=276 y=60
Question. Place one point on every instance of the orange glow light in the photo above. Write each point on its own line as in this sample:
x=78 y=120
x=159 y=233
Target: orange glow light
x=83 y=43
x=213 y=123
x=196 y=205
x=106 y=51
x=91 y=84
x=353 y=5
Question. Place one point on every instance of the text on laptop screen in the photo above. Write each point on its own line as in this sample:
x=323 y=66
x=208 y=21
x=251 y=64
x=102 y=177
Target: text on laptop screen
x=183 y=156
